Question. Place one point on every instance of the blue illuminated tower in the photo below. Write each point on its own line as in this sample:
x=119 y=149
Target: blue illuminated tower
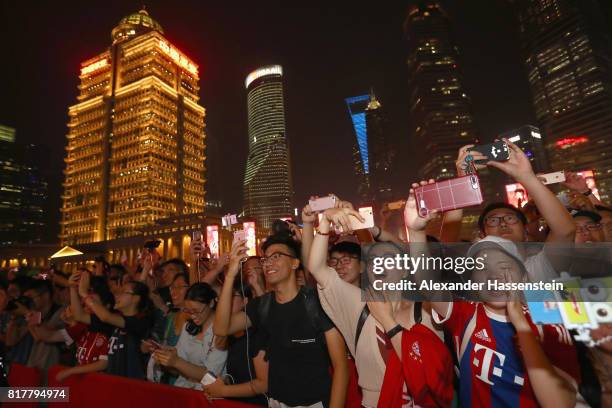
x=357 y=110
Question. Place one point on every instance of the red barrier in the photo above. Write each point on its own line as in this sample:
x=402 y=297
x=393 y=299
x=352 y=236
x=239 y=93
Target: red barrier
x=95 y=390
x=22 y=376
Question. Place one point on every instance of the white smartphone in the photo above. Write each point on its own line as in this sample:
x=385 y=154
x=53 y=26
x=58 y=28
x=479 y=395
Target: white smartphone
x=552 y=178
x=323 y=203
x=368 y=214
x=208 y=379
x=239 y=235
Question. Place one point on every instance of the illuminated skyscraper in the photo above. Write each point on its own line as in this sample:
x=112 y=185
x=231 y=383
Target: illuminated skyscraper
x=357 y=106
x=529 y=139
x=22 y=193
x=136 y=146
x=567 y=51
x=267 y=186
x=440 y=109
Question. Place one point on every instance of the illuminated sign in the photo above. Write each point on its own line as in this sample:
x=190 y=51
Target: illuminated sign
x=212 y=239
x=589 y=177
x=177 y=57
x=271 y=70
x=249 y=233
x=516 y=195
x=94 y=66
x=571 y=141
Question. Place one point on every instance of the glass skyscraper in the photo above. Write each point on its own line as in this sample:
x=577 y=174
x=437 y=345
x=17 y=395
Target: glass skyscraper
x=357 y=106
x=268 y=189
x=567 y=51
x=136 y=135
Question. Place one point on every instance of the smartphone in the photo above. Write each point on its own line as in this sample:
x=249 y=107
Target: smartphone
x=368 y=214
x=35 y=318
x=155 y=344
x=552 y=178
x=451 y=194
x=323 y=203
x=208 y=379
x=239 y=235
x=497 y=151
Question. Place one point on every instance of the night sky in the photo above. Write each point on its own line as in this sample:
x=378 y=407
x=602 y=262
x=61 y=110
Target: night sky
x=329 y=51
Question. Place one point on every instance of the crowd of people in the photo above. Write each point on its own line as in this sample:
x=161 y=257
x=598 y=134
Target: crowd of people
x=301 y=326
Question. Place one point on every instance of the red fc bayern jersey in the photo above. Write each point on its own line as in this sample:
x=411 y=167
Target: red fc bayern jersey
x=91 y=346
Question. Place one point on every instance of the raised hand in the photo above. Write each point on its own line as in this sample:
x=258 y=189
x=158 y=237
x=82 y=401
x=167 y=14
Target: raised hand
x=340 y=217
x=412 y=219
x=237 y=253
x=74 y=279
x=517 y=166
x=575 y=182
x=462 y=165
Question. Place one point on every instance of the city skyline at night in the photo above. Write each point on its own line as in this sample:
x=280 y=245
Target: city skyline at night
x=340 y=52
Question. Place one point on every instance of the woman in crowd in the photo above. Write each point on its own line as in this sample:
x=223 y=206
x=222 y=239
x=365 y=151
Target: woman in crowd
x=198 y=350
x=132 y=321
x=172 y=327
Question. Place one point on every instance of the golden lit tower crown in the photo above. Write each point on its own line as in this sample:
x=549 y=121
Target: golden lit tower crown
x=136 y=137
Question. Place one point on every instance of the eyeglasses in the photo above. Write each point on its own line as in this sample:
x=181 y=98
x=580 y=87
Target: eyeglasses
x=509 y=219
x=193 y=312
x=589 y=227
x=344 y=260
x=274 y=257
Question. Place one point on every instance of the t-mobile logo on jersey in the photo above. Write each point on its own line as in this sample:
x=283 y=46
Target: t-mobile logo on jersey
x=487 y=360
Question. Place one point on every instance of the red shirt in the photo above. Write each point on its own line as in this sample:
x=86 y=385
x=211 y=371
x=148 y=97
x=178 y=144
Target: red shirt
x=91 y=346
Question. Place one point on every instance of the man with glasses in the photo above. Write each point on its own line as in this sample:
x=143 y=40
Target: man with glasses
x=345 y=258
x=300 y=339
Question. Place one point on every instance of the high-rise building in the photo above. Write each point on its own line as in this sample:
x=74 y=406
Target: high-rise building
x=22 y=193
x=381 y=151
x=529 y=139
x=357 y=106
x=136 y=135
x=440 y=109
x=268 y=189
x=567 y=52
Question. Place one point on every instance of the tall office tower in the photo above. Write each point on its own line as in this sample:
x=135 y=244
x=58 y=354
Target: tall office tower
x=529 y=139
x=567 y=51
x=268 y=189
x=136 y=146
x=440 y=110
x=381 y=152
x=22 y=193
x=357 y=106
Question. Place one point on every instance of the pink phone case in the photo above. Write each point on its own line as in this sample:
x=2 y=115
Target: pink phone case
x=449 y=194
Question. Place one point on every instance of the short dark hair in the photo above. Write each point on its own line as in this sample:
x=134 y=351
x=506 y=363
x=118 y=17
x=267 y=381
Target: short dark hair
x=201 y=292
x=100 y=287
x=23 y=282
x=294 y=247
x=178 y=263
x=346 y=247
x=498 y=205
x=41 y=286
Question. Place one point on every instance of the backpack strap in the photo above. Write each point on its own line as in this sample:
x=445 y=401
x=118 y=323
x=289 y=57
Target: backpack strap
x=365 y=312
x=418 y=312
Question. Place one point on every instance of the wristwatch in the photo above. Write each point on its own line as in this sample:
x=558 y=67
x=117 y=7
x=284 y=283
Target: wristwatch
x=394 y=331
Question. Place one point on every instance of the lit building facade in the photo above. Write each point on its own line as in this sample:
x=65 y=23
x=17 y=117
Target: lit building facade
x=357 y=106
x=529 y=139
x=440 y=109
x=268 y=188
x=136 y=139
x=567 y=52
x=23 y=193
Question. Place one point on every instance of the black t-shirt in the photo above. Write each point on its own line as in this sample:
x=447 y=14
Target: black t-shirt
x=299 y=362
x=164 y=293
x=237 y=359
x=124 y=355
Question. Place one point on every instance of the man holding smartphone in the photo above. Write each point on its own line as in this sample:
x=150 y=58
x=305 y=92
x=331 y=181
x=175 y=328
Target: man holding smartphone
x=301 y=341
